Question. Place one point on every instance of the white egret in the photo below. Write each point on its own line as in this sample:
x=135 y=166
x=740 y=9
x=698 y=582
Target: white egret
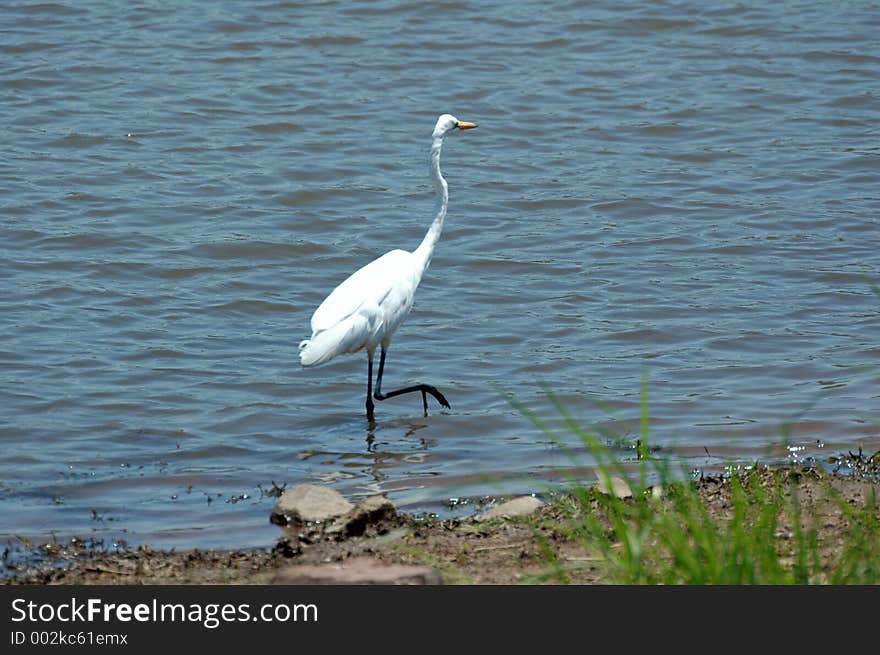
x=363 y=312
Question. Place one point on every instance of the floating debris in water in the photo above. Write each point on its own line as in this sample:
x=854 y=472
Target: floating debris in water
x=274 y=492
x=857 y=464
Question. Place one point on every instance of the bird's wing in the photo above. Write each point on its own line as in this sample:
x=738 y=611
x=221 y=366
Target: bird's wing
x=383 y=279
x=347 y=336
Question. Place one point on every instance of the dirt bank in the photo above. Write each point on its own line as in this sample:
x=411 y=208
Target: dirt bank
x=530 y=549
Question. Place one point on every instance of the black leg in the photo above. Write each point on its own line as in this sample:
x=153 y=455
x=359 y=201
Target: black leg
x=370 y=387
x=425 y=389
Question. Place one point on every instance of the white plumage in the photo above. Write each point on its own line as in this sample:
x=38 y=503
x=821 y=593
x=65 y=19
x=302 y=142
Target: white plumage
x=369 y=306
x=364 y=311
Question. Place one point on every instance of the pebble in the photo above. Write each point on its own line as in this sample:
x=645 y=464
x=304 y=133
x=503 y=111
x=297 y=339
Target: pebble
x=614 y=486
x=522 y=506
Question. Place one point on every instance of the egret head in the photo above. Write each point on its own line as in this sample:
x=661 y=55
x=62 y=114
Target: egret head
x=448 y=123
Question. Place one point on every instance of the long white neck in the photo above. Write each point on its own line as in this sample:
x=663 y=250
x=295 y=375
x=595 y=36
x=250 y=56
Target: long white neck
x=426 y=249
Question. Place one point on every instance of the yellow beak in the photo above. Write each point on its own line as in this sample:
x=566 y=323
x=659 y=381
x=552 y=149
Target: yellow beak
x=464 y=125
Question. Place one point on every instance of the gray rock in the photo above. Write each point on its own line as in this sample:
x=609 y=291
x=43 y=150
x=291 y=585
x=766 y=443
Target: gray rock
x=308 y=503
x=375 y=504
x=614 y=486
x=522 y=506
x=357 y=571
x=369 y=512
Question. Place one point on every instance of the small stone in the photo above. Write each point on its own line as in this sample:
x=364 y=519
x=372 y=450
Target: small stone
x=614 y=486
x=375 y=504
x=522 y=506
x=357 y=571
x=369 y=512
x=308 y=503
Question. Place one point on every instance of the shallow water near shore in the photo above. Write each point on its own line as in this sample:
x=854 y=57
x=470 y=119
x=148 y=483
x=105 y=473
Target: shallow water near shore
x=665 y=190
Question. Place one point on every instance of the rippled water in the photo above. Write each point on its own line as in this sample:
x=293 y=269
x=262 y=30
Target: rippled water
x=677 y=190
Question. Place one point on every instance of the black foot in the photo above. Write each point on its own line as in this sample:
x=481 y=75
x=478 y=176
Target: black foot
x=425 y=389
x=439 y=397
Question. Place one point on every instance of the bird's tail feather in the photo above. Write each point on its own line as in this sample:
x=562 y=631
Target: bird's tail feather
x=344 y=337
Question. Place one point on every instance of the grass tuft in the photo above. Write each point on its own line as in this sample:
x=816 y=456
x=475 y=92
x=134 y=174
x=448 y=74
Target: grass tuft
x=751 y=526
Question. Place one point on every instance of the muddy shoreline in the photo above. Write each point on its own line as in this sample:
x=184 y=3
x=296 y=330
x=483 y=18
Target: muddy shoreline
x=501 y=550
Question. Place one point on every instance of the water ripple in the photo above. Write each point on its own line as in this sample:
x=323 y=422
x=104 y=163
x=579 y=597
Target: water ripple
x=677 y=190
